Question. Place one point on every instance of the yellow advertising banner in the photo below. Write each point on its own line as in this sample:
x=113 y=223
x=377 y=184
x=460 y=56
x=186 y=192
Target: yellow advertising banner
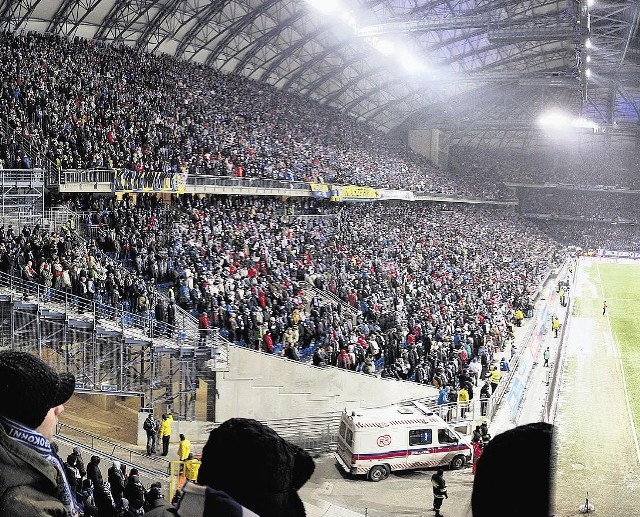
x=354 y=192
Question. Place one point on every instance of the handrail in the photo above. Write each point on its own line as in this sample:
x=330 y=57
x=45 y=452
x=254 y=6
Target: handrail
x=100 y=311
x=61 y=427
x=331 y=298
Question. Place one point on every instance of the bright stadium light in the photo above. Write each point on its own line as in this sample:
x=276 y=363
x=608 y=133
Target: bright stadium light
x=385 y=47
x=588 y=59
x=588 y=43
x=554 y=120
x=590 y=3
x=588 y=73
x=584 y=123
x=325 y=6
x=411 y=63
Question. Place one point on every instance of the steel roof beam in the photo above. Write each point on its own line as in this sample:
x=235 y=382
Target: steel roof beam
x=237 y=27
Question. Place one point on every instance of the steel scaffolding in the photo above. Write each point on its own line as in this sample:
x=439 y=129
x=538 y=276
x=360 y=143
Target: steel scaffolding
x=107 y=349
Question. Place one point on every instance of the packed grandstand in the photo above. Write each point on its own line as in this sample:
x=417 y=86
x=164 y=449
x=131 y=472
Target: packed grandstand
x=419 y=290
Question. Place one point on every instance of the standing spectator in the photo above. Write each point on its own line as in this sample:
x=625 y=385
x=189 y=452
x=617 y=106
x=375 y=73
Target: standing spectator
x=439 y=490
x=165 y=432
x=344 y=361
x=485 y=394
x=203 y=325
x=496 y=468
x=155 y=502
x=73 y=475
x=463 y=401
x=319 y=357
x=555 y=326
x=504 y=365
x=474 y=370
x=116 y=481
x=184 y=448
x=93 y=471
x=134 y=492
x=79 y=461
x=519 y=316
x=604 y=307
x=279 y=468
x=150 y=426
x=546 y=355
x=495 y=378
x=477 y=452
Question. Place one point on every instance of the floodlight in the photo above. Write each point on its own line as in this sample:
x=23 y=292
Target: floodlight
x=588 y=73
x=325 y=6
x=554 y=120
x=588 y=43
x=588 y=59
x=590 y=3
x=410 y=63
x=385 y=47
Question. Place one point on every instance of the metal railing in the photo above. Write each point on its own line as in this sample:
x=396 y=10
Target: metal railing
x=105 y=446
x=330 y=298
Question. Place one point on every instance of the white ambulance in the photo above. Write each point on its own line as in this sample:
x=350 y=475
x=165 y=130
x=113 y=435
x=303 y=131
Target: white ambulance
x=409 y=436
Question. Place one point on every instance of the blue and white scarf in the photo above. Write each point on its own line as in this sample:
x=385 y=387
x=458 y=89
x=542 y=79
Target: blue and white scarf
x=38 y=443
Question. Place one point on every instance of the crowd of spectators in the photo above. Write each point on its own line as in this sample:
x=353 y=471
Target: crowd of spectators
x=590 y=163
x=606 y=206
x=91 y=105
x=591 y=236
x=424 y=281
x=117 y=492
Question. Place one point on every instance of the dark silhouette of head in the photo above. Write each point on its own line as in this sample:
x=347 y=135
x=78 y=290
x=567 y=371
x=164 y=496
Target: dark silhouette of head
x=519 y=461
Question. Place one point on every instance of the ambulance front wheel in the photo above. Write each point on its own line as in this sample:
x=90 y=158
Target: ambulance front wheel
x=378 y=473
x=458 y=462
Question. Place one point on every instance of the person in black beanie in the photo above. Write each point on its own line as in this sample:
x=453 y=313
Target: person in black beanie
x=32 y=480
x=269 y=488
x=496 y=468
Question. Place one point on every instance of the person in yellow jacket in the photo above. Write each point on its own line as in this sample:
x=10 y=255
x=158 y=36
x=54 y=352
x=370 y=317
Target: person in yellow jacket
x=184 y=448
x=191 y=468
x=165 y=432
x=463 y=401
x=495 y=378
x=519 y=315
x=555 y=325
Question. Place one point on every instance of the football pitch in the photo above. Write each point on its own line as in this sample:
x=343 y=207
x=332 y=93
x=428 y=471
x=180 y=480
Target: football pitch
x=621 y=289
x=599 y=405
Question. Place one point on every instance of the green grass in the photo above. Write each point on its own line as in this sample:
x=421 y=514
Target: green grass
x=621 y=288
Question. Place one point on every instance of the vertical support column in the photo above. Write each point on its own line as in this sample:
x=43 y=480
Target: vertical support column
x=152 y=375
x=121 y=361
x=39 y=334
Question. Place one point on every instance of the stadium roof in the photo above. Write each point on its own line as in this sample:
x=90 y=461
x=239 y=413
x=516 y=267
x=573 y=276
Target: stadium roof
x=482 y=69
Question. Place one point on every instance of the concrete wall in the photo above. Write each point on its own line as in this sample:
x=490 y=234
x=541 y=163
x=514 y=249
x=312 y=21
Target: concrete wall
x=425 y=142
x=264 y=387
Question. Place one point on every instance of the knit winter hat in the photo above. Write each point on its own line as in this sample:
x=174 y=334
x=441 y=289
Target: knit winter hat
x=278 y=468
x=29 y=388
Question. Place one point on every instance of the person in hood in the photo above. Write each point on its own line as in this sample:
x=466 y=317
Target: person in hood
x=116 y=481
x=269 y=488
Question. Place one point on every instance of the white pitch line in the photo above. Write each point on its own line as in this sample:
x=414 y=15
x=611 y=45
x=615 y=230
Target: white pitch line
x=624 y=377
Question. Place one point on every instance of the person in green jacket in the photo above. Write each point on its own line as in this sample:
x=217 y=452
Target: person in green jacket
x=32 y=480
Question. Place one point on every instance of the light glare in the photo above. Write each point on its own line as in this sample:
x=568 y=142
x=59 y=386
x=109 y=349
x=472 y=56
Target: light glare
x=588 y=43
x=325 y=6
x=410 y=63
